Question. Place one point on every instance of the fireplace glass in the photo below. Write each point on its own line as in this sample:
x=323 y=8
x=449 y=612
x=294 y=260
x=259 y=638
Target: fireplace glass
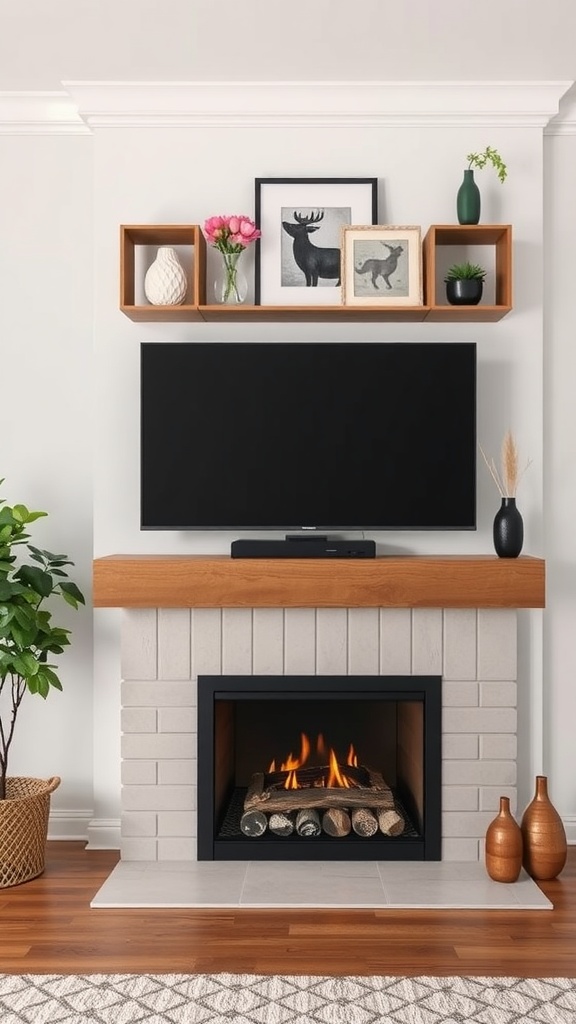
x=319 y=767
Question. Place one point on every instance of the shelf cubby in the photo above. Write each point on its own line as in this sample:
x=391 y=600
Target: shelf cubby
x=189 y=235
x=462 y=237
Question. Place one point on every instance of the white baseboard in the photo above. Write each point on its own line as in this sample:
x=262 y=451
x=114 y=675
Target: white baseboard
x=69 y=824
x=570 y=828
x=103 y=834
x=97 y=833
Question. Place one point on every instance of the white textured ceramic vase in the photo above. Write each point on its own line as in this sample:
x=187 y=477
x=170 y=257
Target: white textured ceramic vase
x=165 y=281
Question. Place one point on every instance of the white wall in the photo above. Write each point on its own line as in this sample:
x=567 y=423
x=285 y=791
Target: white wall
x=46 y=424
x=559 y=709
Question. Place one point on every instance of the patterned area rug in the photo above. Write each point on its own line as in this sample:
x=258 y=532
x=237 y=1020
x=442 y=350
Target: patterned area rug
x=258 y=999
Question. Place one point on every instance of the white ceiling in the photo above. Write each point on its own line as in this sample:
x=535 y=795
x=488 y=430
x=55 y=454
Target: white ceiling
x=43 y=44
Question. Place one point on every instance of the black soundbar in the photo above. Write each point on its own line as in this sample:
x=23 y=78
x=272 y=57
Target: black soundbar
x=305 y=547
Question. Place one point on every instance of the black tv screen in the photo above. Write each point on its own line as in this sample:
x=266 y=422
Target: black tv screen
x=308 y=435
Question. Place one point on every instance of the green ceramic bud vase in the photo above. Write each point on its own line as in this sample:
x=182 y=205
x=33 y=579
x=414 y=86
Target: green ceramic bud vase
x=468 y=200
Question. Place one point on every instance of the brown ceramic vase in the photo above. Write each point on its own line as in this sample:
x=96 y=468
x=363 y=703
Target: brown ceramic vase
x=544 y=838
x=503 y=848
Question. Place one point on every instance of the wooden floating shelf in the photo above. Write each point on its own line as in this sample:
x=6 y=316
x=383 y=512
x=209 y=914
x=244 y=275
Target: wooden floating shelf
x=416 y=581
x=497 y=236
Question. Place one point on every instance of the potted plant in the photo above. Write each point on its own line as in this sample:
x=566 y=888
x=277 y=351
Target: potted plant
x=464 y=284
x=28 y=640
x=468 y=197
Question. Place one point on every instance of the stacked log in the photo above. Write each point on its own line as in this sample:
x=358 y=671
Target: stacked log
x=364 y=822
x=390 y=822
x=313 y=809
x=253 y=823
x=308 y=822
x=281 y=824
x=336 y=822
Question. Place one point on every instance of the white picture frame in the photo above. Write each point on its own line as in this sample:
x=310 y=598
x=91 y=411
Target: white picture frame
x=382 y=265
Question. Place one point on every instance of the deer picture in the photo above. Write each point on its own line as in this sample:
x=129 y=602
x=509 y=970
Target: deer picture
x=313 y=260
x=382 y=268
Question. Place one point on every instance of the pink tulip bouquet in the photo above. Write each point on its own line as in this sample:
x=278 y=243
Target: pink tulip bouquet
x=231 y=235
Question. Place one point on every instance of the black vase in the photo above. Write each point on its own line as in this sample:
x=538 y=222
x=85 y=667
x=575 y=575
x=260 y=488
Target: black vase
x=508 y=530
x=468 y=200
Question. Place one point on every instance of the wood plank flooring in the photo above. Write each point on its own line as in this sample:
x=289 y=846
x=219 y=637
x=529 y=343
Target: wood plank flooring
x=47 y=926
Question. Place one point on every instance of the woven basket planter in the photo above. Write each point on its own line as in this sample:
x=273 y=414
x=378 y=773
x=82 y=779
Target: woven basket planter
x=24 y=828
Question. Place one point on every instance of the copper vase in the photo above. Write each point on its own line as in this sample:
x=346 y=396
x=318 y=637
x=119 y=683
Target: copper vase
x=544 y=838
x=503 y=848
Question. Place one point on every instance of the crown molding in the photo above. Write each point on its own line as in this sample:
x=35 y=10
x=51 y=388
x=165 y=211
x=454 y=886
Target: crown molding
x=296 y=104
x=565 y=121
x=40 y=113
x=85 y=106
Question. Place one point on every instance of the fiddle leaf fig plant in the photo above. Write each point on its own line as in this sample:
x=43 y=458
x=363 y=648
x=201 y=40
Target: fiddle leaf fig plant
x=30 y=578
x=489 y=155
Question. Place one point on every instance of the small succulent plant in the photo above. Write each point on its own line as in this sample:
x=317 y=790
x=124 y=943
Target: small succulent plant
x=465 y=272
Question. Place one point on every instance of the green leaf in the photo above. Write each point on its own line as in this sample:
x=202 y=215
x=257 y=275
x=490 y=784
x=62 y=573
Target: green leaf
x=72 y=594
x=20 y=513
x=43 y=686
x=25 y=616
x=47 y=673
x=40 y=581
x=10 y=589
x=26 y=665
x=33 y=516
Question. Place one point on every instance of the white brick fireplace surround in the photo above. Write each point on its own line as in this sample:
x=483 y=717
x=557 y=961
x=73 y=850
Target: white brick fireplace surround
x=165 y=649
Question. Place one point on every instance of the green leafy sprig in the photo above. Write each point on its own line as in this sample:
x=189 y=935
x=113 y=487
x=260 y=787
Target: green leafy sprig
x=489 y=155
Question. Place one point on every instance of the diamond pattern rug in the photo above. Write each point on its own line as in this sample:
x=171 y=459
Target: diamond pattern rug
x=259 y=999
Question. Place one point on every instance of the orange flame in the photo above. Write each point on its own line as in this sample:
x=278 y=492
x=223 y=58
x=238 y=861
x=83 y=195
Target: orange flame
x=335 y=778
x=292 y=763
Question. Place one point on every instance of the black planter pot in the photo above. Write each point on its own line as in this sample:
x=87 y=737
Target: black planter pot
x=508 y=530
x=464 y=291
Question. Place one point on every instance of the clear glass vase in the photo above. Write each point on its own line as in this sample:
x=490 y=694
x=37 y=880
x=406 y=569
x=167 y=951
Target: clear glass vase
x=230 y=284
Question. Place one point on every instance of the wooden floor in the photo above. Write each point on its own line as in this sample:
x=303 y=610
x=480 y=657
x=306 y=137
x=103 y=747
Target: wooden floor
x=47 y=926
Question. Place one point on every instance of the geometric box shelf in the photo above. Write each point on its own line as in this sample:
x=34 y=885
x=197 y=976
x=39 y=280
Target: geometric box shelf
x=133 y=235
x=499 y=237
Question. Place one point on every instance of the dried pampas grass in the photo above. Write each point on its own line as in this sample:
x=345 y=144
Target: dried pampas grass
x=509 y=476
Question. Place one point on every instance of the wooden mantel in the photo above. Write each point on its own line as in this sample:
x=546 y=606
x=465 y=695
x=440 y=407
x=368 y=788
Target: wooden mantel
x=416 y=581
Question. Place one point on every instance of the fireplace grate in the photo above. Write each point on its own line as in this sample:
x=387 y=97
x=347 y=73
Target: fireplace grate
x=230 y=827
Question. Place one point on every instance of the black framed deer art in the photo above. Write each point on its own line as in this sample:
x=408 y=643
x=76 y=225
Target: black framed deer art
x=298 y=257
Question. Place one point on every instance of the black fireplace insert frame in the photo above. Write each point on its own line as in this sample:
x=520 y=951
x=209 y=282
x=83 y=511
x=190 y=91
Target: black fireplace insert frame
x=426 y=689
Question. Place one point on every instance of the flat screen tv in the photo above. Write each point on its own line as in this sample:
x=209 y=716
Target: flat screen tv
x=308 y=436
